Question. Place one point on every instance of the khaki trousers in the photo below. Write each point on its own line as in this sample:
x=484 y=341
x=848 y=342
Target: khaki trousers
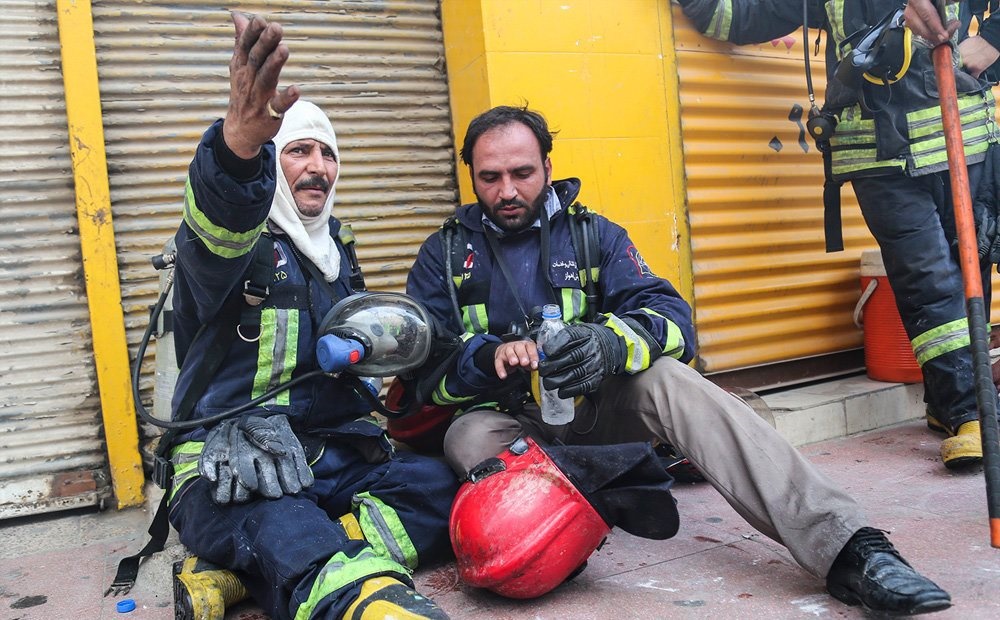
x=762 y=476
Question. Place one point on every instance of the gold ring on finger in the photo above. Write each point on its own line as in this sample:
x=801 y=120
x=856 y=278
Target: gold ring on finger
x=274 y=113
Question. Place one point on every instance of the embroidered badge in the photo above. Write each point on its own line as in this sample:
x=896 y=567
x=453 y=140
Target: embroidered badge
x=640 y=263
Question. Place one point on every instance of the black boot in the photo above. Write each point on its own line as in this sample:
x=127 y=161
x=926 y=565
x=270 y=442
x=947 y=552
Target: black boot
x=870 y=572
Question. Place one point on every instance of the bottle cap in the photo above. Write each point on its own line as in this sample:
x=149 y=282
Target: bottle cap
x=125 y=606
x=551 y=311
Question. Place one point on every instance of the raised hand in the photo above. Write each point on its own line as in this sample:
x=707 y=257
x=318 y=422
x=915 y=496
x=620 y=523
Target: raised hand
x=255 y=103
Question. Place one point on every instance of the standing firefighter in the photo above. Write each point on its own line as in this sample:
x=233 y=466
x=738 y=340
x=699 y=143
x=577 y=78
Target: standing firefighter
x=301 y=495
x=625 y=351
x=881 y=130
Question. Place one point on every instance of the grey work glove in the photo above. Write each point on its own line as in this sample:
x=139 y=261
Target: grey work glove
x=269 y=458
x=215 y=464
x=254 y=455
x=579 y=357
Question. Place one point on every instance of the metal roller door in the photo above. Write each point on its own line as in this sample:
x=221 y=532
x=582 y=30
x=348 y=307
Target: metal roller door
x=52 y=453
x=377 y=68
x=765 y=290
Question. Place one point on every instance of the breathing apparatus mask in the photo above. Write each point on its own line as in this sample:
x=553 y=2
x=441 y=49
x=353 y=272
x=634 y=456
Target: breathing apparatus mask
x=369 y=334
x=879 y=55
x=374 y=334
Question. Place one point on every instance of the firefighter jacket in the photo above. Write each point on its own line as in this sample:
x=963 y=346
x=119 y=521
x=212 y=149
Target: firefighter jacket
x=224 y=218
x=882 y=128
x=644 y=309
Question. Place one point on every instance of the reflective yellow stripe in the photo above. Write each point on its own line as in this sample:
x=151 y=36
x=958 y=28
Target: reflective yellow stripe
x=722 y=21
x=276 y=352
x=574 y=305
x=384 y=530
x=341 y=571
x=926 y=130
x=218 y=240
x=674 y=346
x=475 y=319
x=835 y=15
x=940 y=340
x=184 y=458
x=638 y=350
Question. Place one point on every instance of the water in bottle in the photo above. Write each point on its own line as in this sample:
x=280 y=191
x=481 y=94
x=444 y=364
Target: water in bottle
x=555 y=410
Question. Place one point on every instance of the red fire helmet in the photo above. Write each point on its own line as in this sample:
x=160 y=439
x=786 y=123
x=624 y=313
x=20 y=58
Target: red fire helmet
x=422 y=430
x=519 y=527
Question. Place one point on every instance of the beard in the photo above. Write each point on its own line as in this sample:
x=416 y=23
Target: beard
x=515 y=221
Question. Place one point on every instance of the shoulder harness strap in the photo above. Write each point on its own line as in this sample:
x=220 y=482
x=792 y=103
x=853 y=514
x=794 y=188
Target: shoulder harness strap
x=454 y=261
x=346 y=237
x=587 y=243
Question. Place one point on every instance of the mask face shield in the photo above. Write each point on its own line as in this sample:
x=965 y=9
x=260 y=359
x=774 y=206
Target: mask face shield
x=395 y=331
x=880 y=54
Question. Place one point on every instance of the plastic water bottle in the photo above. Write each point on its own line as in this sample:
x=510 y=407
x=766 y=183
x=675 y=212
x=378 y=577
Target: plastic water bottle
x=555 y=410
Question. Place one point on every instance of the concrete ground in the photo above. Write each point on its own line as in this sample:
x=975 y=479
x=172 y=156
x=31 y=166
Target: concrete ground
x=57 y=567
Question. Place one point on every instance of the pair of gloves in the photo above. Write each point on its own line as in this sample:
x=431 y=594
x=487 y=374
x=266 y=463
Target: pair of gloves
x=578 y=357
x=254 y=455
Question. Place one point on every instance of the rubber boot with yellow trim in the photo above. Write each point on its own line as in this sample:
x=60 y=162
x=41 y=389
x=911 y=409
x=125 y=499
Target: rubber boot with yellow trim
x=384 y=597
x=350 y=524
x=202 y=590
x=964 y=448
x=935 y=425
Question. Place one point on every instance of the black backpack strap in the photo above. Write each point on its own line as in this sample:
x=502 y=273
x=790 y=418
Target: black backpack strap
x=454 y=261
x=256 y=287
x=347 y=239
x=832 y=226
x=128 y=568
x=587 y=243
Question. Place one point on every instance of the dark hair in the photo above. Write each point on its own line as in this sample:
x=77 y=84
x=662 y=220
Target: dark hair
x=505 y=115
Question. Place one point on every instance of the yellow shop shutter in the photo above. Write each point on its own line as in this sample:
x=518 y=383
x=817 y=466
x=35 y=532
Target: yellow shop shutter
x=52 y=453
x=376 y=68
x=765 y=291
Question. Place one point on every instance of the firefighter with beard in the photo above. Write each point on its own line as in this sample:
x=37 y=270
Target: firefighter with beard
x=516 y=251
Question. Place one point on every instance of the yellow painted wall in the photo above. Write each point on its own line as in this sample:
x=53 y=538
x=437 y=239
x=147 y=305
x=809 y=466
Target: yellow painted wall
x=603 y=75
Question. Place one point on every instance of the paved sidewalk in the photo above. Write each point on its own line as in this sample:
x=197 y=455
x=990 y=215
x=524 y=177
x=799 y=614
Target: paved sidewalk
x=57 y=567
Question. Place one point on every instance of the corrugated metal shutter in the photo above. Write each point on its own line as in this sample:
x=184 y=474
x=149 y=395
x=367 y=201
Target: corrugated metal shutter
x=51 y=451
x=376 y=67
x=765 y=290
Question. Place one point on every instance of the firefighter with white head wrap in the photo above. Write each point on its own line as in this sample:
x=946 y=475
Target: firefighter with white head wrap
x=300 y=495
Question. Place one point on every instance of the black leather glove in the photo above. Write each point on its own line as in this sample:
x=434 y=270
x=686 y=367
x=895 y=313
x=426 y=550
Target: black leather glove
x=254 y=455
x=987 y=235
x=579 y=357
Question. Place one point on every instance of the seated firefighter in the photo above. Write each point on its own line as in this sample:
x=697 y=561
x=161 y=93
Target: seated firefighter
x=624 y=351
x=300 y=495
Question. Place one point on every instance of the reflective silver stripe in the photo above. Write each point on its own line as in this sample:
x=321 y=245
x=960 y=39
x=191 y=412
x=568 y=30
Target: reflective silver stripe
x=638 y=349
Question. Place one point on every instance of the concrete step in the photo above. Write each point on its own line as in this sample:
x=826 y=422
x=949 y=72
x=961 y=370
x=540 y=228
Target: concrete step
x=839 y=408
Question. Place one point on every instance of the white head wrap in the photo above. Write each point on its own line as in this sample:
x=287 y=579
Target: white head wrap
x=310 y=234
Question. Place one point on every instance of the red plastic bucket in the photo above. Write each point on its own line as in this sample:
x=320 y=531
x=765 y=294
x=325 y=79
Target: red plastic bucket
x=888 y=354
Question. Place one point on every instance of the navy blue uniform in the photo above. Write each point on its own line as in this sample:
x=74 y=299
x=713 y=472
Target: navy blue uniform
x=296 y=559
x=632 y=299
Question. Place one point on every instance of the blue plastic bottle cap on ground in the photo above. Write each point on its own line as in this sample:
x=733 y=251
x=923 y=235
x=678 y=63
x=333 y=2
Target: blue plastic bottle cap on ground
x=125 y=606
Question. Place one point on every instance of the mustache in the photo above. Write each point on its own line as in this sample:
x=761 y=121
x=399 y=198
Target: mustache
x=313 y=182
x=513 y=202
